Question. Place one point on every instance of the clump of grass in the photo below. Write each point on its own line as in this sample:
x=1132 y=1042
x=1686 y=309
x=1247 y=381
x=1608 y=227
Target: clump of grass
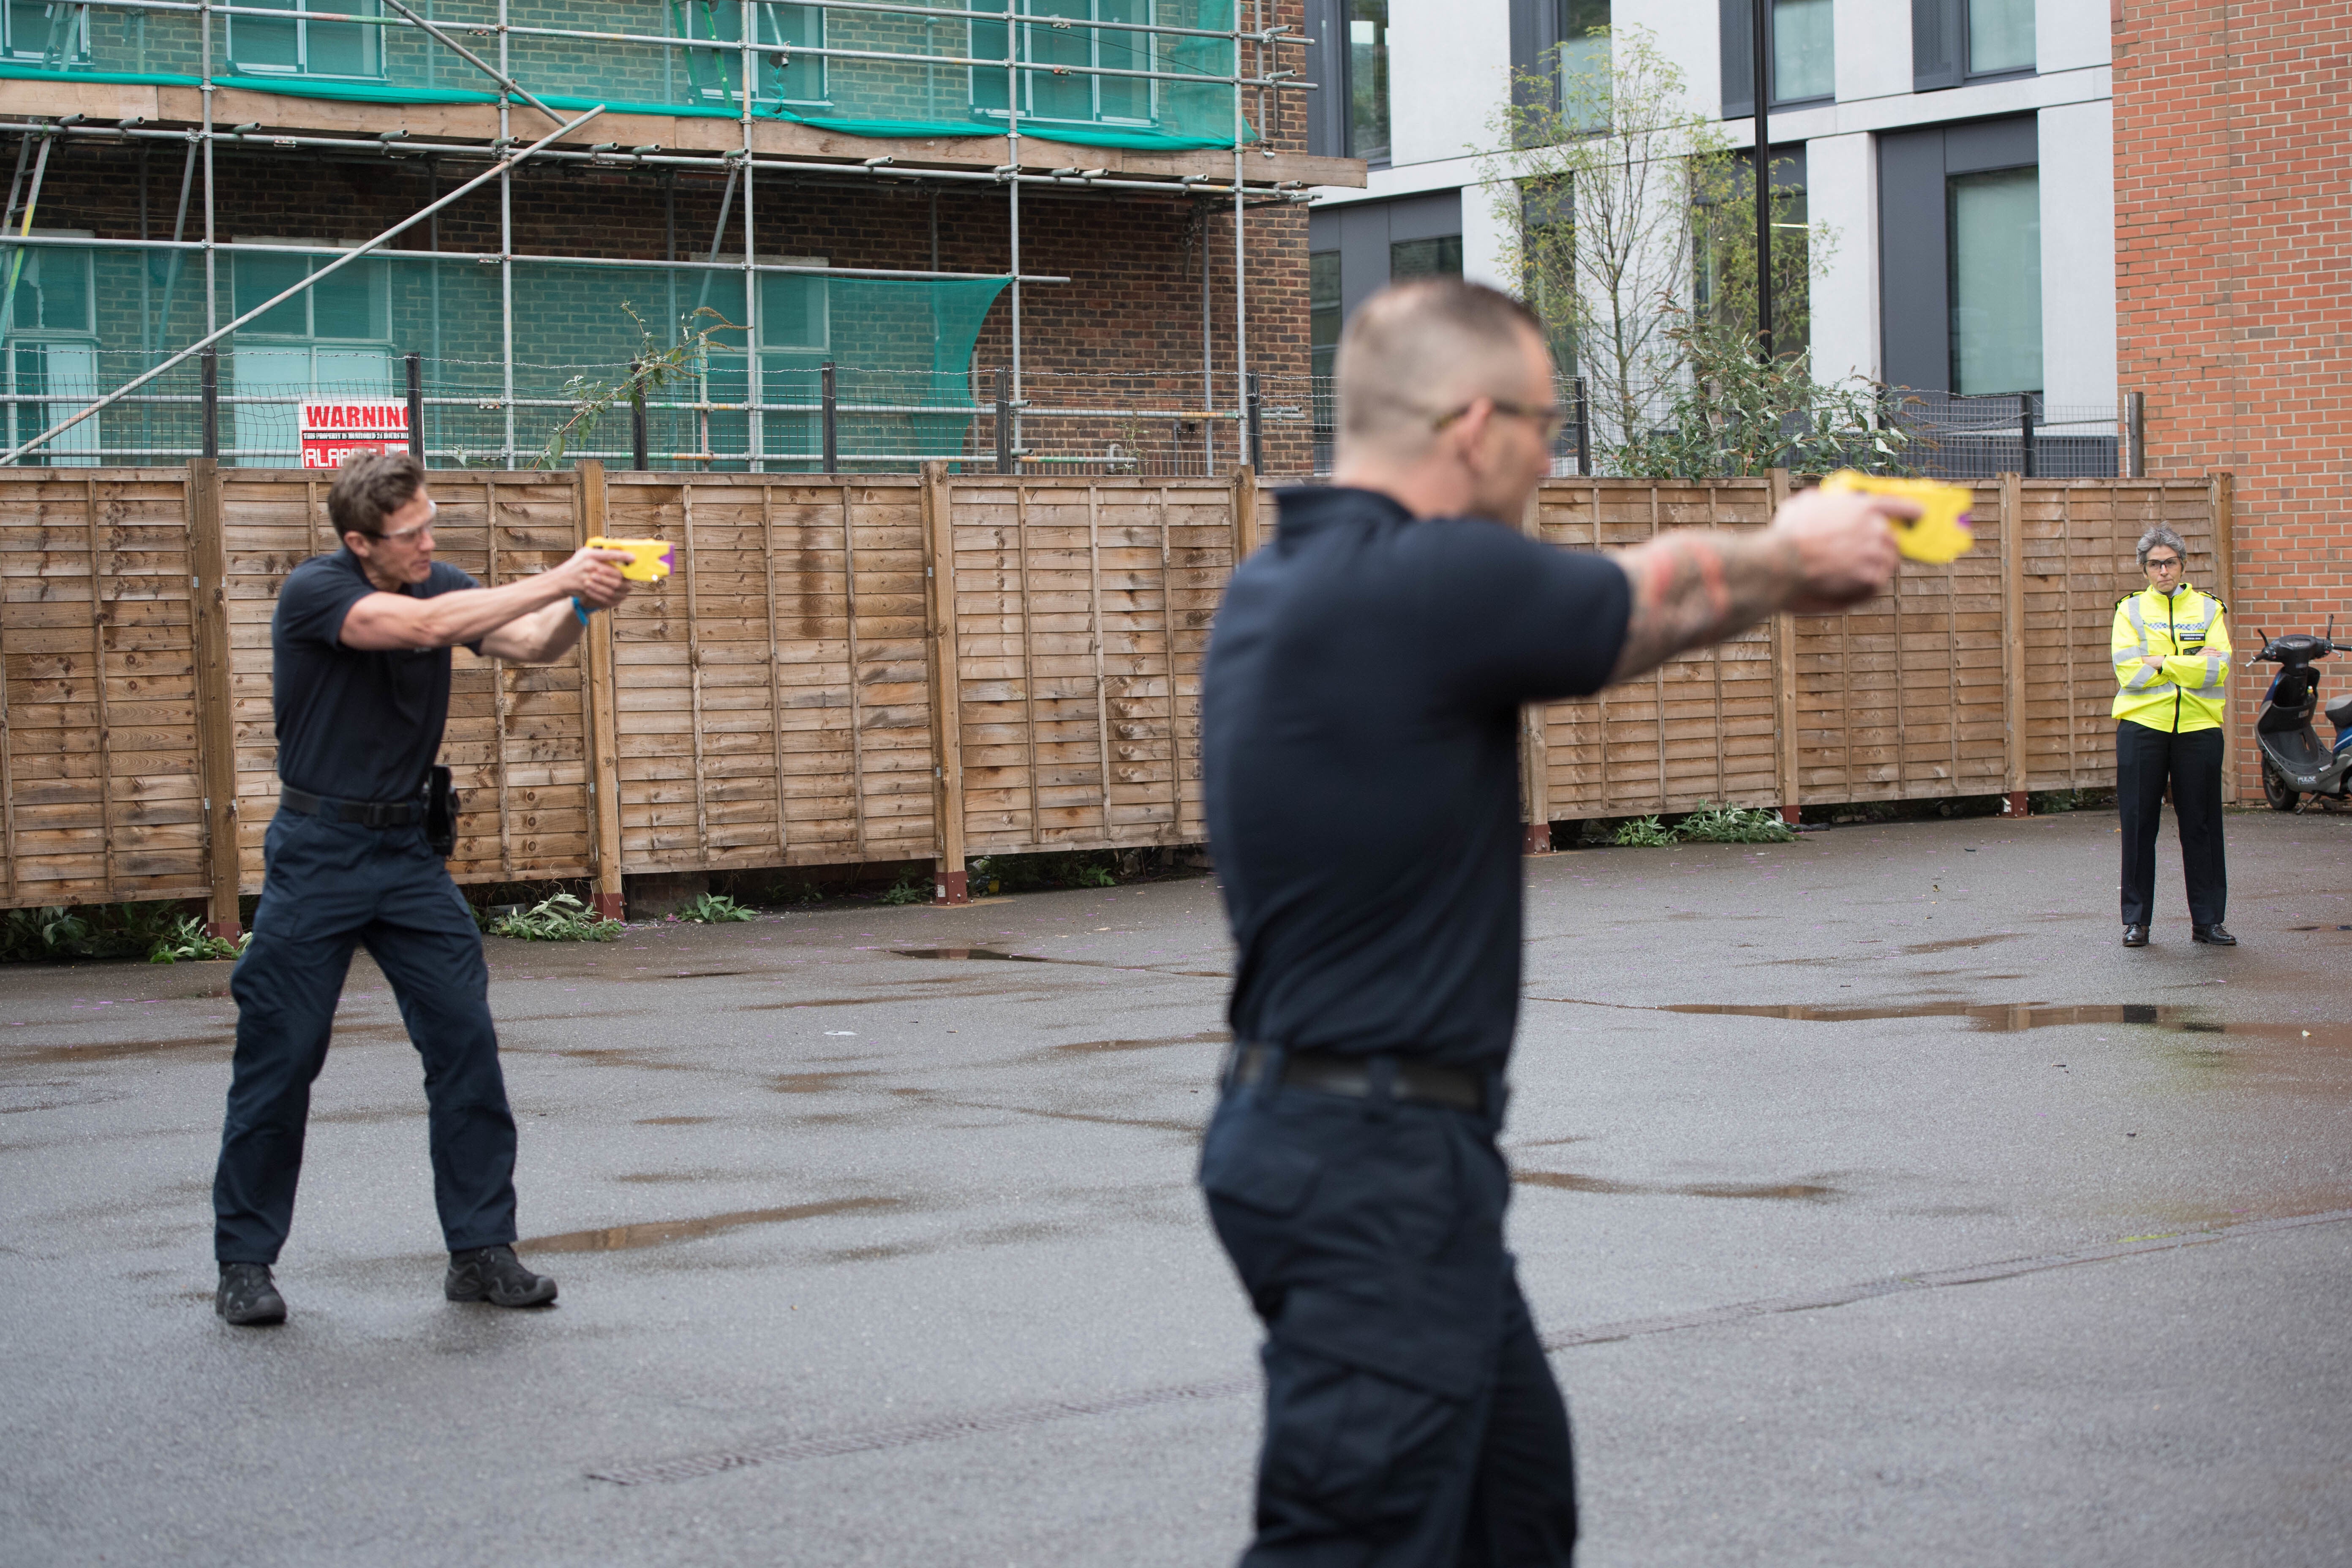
x=715 y=909
x=57 y=931
x=562 y=918
x=1643 y=833
x=1733 y=824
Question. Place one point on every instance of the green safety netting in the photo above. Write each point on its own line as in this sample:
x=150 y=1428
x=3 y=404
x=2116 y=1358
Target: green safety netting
x=88 y=319
x=923 y=87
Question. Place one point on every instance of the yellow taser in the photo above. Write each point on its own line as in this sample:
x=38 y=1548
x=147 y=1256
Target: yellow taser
x=648 y=558
x=1939 y=534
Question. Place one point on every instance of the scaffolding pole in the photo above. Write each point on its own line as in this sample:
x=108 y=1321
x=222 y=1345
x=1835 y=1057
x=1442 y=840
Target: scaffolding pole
x=754 y=421
x=308 y=283
x=506 y=249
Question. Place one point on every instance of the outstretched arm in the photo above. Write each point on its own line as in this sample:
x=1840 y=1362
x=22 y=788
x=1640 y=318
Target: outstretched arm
x=1693 y=587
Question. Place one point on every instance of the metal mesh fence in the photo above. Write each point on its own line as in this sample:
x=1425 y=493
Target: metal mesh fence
x=808 y=417
x=1944 y=437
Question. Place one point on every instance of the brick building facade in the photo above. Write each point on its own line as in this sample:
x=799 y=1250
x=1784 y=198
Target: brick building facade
x=1148 y=303
x=2231 y=209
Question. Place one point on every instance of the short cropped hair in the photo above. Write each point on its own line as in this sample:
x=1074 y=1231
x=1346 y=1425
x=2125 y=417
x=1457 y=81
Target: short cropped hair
x=2163 y=536
x=370 y=488
x=1419 y=349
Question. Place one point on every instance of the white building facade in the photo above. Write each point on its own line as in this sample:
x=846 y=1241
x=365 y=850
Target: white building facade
x=1962 y=152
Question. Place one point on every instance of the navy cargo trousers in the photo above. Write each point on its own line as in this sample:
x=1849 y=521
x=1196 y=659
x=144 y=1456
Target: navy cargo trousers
x=1411 y=1420
x=329 y=887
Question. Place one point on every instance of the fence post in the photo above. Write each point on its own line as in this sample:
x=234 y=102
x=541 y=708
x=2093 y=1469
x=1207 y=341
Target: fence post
x=1784 y=677
x=603 y=743
x=1245 y=483
x=637 y=415
x=2221 y=491
x=209 y=365
x=2134 y=433
x=2025 y=433
x=948 y=882
x=1534 y=771
x=1583 y=430
x=417 y=406
x=2015 y=653
x=1255 y=407
x=215 y=715
x=1003 y=420
x=831 y=418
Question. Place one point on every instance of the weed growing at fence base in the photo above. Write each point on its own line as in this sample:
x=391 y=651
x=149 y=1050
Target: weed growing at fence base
x=906 y=892
x=99 y=930
x=1733 y=824
x=715 y=909
x=562 y=918
x=189 y=941
x=1644 y=833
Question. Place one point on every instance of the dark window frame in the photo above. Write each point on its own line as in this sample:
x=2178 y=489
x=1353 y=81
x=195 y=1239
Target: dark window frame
x=1939 y=50
x=1915 y=170
x=1330 y=112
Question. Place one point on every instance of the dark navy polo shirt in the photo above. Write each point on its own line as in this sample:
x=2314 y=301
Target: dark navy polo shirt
x=355 y=725
x=1359 y=721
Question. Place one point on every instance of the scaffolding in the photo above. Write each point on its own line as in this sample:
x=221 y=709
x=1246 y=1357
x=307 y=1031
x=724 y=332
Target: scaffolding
x=1144 y=75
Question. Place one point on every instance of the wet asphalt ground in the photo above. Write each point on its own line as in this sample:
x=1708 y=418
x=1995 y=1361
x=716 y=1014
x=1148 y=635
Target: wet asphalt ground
x=1879 y=1207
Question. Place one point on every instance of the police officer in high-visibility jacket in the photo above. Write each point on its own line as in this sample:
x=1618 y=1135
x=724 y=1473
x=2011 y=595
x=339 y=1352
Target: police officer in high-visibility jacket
x=2171 y=650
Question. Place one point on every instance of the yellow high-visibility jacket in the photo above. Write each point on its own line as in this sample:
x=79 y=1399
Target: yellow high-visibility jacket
x=2185 y=629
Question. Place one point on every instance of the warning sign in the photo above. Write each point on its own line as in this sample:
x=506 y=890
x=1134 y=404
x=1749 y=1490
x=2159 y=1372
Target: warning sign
x=333 y=431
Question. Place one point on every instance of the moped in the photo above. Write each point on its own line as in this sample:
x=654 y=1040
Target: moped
x=2295 y=763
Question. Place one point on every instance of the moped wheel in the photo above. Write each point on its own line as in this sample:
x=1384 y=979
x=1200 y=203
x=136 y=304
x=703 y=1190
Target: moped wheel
x=2274 y=789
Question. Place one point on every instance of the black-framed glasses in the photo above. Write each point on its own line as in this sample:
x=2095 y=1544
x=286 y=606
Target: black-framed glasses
x=1551 y=416
x=2164 y=562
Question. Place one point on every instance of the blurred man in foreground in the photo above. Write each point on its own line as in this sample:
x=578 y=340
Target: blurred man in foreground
x=1361 y=703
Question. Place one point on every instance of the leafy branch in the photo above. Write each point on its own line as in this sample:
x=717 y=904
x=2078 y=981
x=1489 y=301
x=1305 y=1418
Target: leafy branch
x=653 y=370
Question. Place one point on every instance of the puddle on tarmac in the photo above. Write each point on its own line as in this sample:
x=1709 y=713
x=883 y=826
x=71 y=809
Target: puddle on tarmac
x=115 y=1050
x=1796 y=1192
x=1954 y=944
x=817 y=1082
x=991 y=955
x=674 y=1121
x=659 y=1232
x=1087 y=1047
x=1999 y=1019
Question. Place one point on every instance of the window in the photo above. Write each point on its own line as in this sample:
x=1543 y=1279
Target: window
x=794 y=334
x=351 y=304
x=712 y=74
x=262 y=46
x=1584 y=62
x=1547 y=262
x=2000 y=36
x=1953 y=41
x=1437 y=258
x=1802 y=51
x=1804 y=57
x=52 y=352
x=1368 y=80
x=1994 y=228
x=330 y=340
x=43 y=33
x=1323 y=335
x=1060 y=91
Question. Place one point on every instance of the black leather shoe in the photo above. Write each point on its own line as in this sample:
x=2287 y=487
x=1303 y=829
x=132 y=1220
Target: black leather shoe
x=2215 y=935
x=495 y=1275
x=248 y=1297
x=2137 y=936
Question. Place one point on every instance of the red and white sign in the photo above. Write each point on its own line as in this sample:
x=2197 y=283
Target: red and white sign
x=333 y=431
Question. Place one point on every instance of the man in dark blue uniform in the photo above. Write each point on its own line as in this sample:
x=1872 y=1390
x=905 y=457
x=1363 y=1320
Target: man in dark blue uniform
x=360 y=646
x=1360 y=704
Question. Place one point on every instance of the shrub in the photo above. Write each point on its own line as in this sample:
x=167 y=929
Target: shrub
x=1643 y=833
x=1733 y=824
x=562 y=918
x=188 y=940
x=715 y=909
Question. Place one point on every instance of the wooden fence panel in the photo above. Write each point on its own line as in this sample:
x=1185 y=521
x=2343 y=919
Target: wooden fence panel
x=101 y=788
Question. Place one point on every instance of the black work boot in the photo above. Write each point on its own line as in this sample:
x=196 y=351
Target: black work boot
x=2214 y=935
x=495 y=1275
x=248 y=1297
x=2136 y=935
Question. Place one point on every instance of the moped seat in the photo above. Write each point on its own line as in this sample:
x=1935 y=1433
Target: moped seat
x=2339 y=713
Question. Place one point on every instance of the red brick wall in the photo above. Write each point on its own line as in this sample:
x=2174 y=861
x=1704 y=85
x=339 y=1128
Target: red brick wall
x=2234 y=241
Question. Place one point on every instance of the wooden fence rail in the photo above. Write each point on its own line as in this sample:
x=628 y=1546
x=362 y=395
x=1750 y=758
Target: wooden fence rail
x=849 y=669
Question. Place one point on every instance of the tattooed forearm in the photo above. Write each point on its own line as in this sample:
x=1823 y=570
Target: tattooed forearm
x=1694 y=587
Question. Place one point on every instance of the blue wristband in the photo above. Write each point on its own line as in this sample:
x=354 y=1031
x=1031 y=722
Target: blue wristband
x=580 y=609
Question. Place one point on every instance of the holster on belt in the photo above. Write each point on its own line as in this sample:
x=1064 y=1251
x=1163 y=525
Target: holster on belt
x=441 y=812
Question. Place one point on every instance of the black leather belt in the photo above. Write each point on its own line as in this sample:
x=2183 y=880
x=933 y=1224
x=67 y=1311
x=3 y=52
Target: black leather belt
x=366 y=813
x=1328 y=1072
